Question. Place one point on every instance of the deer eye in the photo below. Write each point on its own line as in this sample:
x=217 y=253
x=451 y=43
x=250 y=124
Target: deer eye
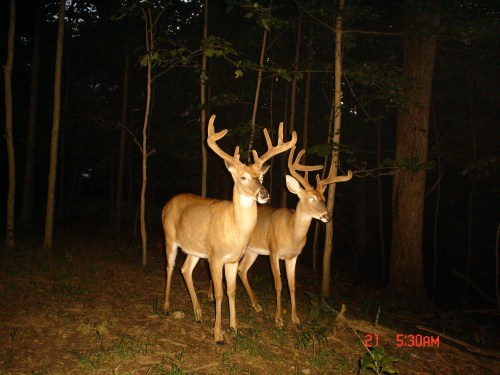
x=243 y=178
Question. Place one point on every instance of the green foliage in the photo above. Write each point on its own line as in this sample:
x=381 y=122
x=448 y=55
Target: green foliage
x=313 y=333
x=175 y=366
x=219 y=47
x=377 y=362
x=411 y=164
x=127 y=347
x=325 y=149
x=261 y=14
x=228 y=364
x=486 y=167
x=384 y=82
x=247 y=340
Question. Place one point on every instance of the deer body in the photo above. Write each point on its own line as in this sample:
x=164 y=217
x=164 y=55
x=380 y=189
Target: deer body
x=217 y=230
x=282 y=234
x=208 y=216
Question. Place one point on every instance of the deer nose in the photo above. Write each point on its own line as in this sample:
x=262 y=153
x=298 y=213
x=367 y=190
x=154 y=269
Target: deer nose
x=326 y=217
x=263 y=196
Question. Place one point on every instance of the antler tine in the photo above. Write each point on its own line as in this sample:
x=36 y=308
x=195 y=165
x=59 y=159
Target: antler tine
x=274 y=150
x=214 y=137
x=295 y=166
x=321 y=184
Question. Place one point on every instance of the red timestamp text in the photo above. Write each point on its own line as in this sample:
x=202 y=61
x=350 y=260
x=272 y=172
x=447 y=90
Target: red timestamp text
x=405 y=340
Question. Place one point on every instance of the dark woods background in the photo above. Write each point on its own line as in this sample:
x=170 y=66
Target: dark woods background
x=461 y=205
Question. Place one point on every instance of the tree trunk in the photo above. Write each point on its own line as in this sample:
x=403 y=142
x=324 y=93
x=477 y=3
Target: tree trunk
x=29 y=168
x=121 y=150
x=337 y=108
x=257 y=93
x=144 y=145
x=203 y=105
x=51 y=191
x=293 y=91
x=9 y=138
x=408 y=190
x=307 y=94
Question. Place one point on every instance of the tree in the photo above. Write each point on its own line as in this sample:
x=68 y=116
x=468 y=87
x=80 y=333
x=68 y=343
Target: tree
x=56 y=117
x=149 y=30
x=336 y=114
x=28 y=185
x=408 y=189
x=9 y=138
x=203 y=103
x=121 y=150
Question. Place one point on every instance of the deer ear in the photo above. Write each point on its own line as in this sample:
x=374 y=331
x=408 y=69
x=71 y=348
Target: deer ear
x=230 y=166
x=293 y=185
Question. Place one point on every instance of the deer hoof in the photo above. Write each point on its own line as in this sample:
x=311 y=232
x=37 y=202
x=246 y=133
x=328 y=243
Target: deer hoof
x=220 y=342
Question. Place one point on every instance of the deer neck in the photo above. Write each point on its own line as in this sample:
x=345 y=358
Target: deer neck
x=301 y=222
x=244 y=212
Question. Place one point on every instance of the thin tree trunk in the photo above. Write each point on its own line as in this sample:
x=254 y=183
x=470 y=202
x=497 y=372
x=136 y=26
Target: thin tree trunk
x=203 y=105
x=9 y=138
x=325 y=285
x=293 y=91
x=257 y=93
x=51 y=191
x=62 y=131
x=381 y=230
x=144 y=146
x=29 y=168
x=307 y=94
x=436 y=213
x=121 y=150
x=408 y=190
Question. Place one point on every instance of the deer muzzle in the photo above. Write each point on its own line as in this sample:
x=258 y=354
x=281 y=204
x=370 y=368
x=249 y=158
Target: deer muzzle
x=263 y=196
x=326 y=217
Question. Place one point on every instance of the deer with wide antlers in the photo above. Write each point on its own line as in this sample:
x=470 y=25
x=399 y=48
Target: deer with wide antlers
x=218 y=230
x=282 y=233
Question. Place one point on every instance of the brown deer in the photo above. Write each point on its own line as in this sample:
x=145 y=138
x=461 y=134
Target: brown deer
x=218 y=230
x=282 y=233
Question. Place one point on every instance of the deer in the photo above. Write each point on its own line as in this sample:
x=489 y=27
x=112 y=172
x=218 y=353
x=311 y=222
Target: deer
x=218 y=230
x=281 y=233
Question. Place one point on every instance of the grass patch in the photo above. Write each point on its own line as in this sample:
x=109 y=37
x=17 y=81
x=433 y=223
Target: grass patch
x=128 y=347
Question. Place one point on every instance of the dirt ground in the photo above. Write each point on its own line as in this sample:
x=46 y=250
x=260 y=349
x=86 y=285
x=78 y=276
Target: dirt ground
x=91 y=308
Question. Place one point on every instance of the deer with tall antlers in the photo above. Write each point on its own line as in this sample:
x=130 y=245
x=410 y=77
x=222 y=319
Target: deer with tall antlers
x=218 y=230
x=282 y=233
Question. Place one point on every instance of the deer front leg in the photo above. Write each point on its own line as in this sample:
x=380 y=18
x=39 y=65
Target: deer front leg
x=171 y=253
x=231 y=271
x=245 y=264
x=187 y=272
x=216 y=272
x=275 y=267
x=290 y=274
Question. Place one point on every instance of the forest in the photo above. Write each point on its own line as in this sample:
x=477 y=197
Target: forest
x=106 y=106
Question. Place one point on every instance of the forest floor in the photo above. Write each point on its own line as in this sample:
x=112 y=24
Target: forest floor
x=90 y=307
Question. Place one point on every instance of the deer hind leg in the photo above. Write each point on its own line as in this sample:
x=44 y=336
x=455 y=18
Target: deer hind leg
x=187 y=272
x=290 y=274
x=245 y=264
x=216 y=272
x=275 y=267
x=171 y=253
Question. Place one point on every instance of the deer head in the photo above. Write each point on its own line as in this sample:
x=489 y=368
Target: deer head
x=248 y=178
x=312 y=199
